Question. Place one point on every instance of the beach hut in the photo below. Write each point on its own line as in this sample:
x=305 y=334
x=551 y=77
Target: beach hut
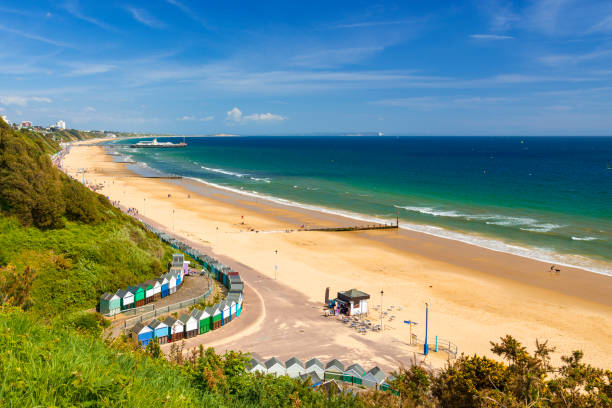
x=191 y=325
x=141 y=334
x=232 y=304
x=373 y=378
x=139 y=295
x=177 y=328
x=333 y=370
x=110 y=304
x=165 y=287
x=225 y=309
x=197 y=313
x=127 y=299
x=275 y=366
x=353 y=374
x=217 y=317
x=178 y=259
x=178 y=272
x=386 y=384
x=161 y=331
x=171 y=283
x=148 y=291
x=205 y=320
x=354 y=301
x=256 y=367
x=314 y=378
x=294 y=367
x=156 y=288
x=314 y=365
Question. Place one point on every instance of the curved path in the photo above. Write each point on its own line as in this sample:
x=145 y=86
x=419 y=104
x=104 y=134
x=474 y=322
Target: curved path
x=279 y=321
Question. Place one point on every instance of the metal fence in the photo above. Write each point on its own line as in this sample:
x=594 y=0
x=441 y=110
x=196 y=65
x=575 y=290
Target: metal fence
x=444 y=345
x=157 y=311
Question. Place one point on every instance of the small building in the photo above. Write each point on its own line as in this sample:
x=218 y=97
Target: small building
x=275 y=366
x=313 y=377
x=141 y=334
x=148 y=290
x=156 y=288
x=217 y=317
x=178 y=272
x=353 y=374
x=197 y=313
x=139 y=295
x=232 y=304
x=110 y=304
x=386 y=384
x=161 y=331
x=205 y=322
x=333 y=370
x=256 y=367
x=165 y=286
x=314 y=365
x=191 y=325
x=171 y=283
x=178 y=259
x=353 y=302
x=127 y=299
x=177 y=329
x=225 y=309
x=374 y=378
x=294 y=367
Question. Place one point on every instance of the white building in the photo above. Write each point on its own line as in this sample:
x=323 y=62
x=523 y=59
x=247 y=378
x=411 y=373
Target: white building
x=4 y=118
x=61 y=125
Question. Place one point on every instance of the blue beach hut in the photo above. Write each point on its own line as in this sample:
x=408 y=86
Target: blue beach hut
x=161 y=331
x=165 y=288
x=142 y=334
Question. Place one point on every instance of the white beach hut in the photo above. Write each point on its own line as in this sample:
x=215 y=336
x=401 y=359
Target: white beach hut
x=191 y=325
x=256 y=367
x=294 y=367
x=275 y=366
x=314 y=365
x=171 y=282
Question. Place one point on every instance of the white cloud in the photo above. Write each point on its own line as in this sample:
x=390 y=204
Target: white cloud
x=34 y=37
x=328 y=58
x=90 y=69
x=72 y=7
x=235 y=115
x=145 y=18
x=23 y=100
x=202 y=119
x=604 y=26
x=373 y=23
x=187 y=11
x=491 y=37
x=573 y=58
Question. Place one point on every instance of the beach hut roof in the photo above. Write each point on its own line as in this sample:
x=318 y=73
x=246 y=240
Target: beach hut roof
x=197 y=313
x=144 y=286
x=335 y=363
x=293 y=361
x=108 y=296
x=170 y=320
x=155 y=323
x=184 y=318
x=254 y=363
x=356 y=368
x=378 y=374
x=353 y=295
x=314 y=377
x=140 y=328
x=314 y=362
x=210 y=310
x=152 y=282
x=121 y=293
x=272 y=362
x=162 y=280
x=176 y=269
x=235 y=278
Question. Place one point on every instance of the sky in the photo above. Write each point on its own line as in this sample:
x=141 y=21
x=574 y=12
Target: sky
x=486 y=67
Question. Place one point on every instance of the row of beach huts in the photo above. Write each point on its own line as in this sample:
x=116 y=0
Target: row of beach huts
x=318 y=373
x=198 y=321
x=146 y=292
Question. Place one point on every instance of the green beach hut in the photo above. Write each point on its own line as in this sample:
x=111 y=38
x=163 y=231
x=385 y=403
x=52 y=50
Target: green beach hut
x=110 y=304
x=139 y=295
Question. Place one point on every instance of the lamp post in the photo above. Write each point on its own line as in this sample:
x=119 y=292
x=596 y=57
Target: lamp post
x=425 y=346
x=173 y=220
x=144 y=206
x=381 y=308
x=276 y=263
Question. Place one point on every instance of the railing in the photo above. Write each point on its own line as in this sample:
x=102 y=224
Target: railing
x=444 y=345
x=166 y=309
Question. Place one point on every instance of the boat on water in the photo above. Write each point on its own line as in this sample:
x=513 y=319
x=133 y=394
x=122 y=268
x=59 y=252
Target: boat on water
x=155 y=144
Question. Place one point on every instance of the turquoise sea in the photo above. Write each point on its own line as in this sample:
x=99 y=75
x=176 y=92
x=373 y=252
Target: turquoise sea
x=547 y=198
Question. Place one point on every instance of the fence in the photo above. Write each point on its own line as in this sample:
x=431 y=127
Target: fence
x=444 y=345
x=166 y=309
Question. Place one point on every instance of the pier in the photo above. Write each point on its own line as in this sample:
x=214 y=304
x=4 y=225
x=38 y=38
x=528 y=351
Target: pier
x=354 y=228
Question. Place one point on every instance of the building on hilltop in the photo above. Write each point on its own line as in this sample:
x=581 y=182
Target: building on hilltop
x=61 y=125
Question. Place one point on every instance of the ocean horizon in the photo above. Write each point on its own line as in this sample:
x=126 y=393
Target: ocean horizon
x=547 y=198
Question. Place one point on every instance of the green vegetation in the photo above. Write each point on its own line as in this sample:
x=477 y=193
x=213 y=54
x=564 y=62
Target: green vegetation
x=63 y=245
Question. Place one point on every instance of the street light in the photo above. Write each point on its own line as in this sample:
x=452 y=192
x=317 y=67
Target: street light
x=425 y=346
x=173 y=220
x=381 y=308
x=276 y=263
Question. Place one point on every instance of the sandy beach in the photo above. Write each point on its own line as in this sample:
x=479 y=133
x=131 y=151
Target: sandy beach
x=475 y=295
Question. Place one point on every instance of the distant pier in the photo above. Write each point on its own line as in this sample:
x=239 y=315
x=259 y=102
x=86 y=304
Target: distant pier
x=355 y=228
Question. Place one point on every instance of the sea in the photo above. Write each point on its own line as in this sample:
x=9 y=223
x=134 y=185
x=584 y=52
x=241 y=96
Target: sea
x=545 y=198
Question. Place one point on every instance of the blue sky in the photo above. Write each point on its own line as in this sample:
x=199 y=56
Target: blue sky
x=541 y=67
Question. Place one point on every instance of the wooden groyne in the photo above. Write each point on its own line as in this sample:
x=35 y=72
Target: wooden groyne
x=355 y=228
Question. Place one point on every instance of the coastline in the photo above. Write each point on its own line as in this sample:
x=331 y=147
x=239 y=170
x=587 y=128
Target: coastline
x=471 y=289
